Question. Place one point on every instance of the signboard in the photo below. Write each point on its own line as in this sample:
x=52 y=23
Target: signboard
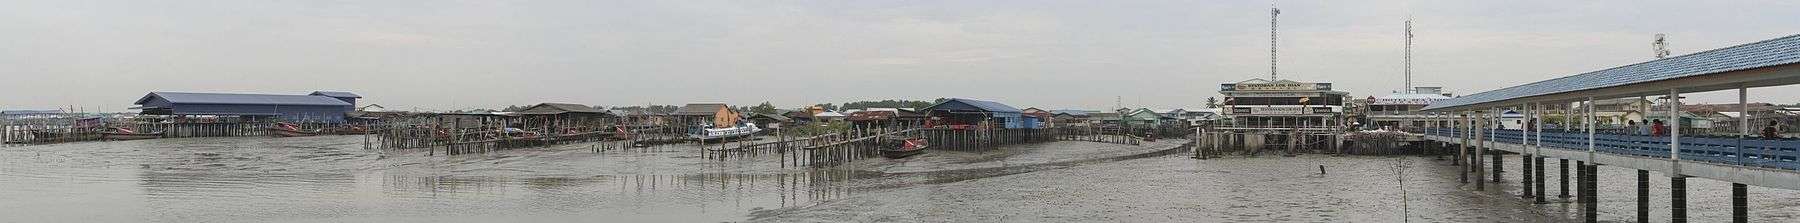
x=1287 y=86
x=1404 y=101
x=1273 y=94
x=1277 y=110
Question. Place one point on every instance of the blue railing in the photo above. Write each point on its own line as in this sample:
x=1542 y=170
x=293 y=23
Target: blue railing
x=1756 y=152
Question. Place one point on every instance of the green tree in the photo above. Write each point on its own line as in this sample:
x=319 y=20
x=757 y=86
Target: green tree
x=828 y=106
x=764 y=108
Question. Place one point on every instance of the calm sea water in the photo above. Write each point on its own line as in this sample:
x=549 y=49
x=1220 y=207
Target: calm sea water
x=332 y=179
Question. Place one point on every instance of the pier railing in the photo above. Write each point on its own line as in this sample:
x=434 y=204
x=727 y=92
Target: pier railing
x=1746 y=151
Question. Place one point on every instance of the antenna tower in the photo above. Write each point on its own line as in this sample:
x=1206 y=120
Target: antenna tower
x=1660 y=46
x=1409 y=45
x=1273 y=14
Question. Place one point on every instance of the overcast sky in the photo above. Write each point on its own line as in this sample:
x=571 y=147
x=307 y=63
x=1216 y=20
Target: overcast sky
x=1048 y=54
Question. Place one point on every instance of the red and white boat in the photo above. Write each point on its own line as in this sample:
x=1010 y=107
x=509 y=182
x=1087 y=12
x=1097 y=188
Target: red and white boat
x=121 y=133
x=284 y=129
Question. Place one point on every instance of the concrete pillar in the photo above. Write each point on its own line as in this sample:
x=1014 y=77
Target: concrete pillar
x=1643 y=195
x=1481 y=125
x=1564 y=176
x=1539 y=163
x=1499 y=165
x=1740 y=206
x=1580 y=179
x=1537 y=151
x=1678 y=199
x=1591 y=192
x=1525 y=175
x=1462 y=149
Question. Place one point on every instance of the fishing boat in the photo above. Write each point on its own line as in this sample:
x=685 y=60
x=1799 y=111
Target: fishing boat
x=896 y=148
x=284 y=129
x=517 y=137
x=120 y=133
x=741 y=130
x=351 y=130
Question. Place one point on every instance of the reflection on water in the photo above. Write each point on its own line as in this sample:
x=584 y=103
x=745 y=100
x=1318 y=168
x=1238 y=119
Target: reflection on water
x=326 y=178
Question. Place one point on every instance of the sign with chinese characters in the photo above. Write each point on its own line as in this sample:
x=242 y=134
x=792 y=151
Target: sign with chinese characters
x=1279 y=86
x=1277 y=110
x=1404 y=101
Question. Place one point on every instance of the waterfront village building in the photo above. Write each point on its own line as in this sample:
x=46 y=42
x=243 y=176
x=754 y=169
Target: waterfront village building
x=1259 y=103
x=960 y=112
x=1072 y=118
x=318 y=107
x=716 y=114
x=771 y=121
x=1401 y=110
x=1193 y=117
x=1044 y=118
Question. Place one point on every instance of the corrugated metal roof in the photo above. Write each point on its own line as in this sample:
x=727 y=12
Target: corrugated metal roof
x=1766 y=53
x=1073 y=112
x=559 y=108
x=31 y=112
x=242 y=99
x=337 y=94
x=699 y=109
x=988 y=106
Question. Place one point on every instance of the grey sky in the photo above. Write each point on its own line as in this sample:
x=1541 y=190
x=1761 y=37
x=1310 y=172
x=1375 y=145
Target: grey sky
x=1050 y=54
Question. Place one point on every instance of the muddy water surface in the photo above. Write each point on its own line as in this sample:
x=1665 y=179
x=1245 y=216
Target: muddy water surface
x=332 y=179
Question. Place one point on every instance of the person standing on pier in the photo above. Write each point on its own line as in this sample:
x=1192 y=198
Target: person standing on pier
x=1658 y=129
x=1632 y=128
x=1773 y=131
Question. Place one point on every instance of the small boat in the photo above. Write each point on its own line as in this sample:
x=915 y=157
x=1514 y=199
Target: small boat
x=903 y=147
x=284 y=129
x=118 y=133
x=351 y=130
x=739 y=131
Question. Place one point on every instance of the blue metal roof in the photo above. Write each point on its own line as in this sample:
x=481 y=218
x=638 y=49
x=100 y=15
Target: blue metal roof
x=31 y=112
x=988 y=106
x=242 y=99
x=336 y=94
x=1071 y=112
x=1766 y=53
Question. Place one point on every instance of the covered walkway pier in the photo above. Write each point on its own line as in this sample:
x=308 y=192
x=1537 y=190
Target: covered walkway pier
x=1744 y=158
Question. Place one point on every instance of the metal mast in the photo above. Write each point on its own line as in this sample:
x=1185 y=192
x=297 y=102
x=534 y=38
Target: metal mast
x=1273 y=13
x=1660 y=46
x=1408 y=86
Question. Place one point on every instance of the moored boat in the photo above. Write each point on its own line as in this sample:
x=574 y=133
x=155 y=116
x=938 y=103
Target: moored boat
x=117 y=133
x=903 y=147
x=284 y=129
x=706 y=133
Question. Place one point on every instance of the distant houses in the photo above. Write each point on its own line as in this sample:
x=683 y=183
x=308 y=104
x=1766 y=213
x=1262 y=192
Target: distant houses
x=13 y=114
x=319 y=107
x=886 y=117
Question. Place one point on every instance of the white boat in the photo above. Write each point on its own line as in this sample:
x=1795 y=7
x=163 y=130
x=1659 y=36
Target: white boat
x=709 y=133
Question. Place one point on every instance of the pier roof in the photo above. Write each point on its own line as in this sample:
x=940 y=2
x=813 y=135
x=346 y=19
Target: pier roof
x=1759 y=64
x=241 y=99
